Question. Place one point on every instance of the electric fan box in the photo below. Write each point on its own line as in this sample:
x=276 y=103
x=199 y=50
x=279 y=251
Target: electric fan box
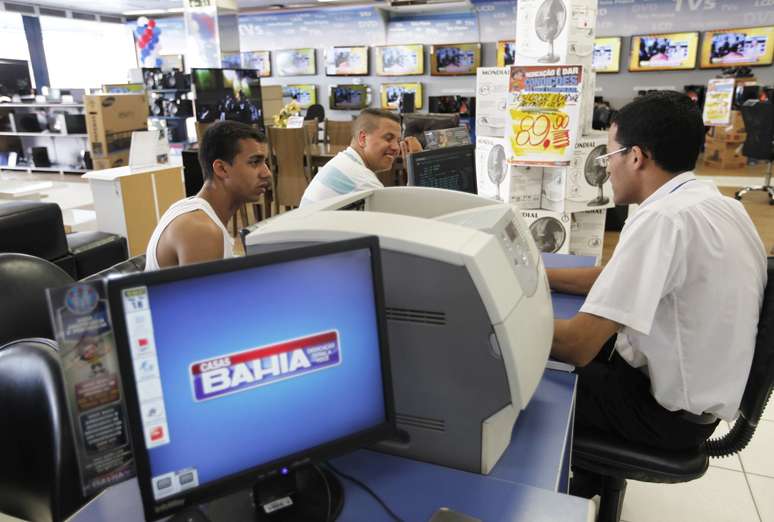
x=550 y=230
x=555 y=32
x=582 y=185
x=526 y=187
x=520 y=186
x=587 y=233
x=491 y=101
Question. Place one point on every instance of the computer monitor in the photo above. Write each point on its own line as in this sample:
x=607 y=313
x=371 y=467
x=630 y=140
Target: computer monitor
x=15 y=78
x=224 y=390
x=417 y=124
x=452 y=168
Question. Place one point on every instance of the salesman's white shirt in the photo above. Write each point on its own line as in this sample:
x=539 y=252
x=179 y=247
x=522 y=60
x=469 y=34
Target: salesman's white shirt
x=686 y=281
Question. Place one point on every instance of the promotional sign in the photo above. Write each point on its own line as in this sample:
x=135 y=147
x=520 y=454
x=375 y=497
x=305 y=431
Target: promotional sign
x=717 y=102
x=543 y=114
x=87 y=350
x=491 y=101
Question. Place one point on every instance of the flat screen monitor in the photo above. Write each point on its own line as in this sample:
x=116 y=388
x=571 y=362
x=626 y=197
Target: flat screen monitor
x=607 y=55
x=15 y=78
x=400 y=60
x=230 y=60
x=304 y=94
x=452 y=168
x=296 y=62
x=349 y=97
x=389 y=94
x=455 y=59
x=736 y=47
x=506 y=53
x=663 y=52
x=259 y=61
x=228 y=94
x=223 y=391
x=346 y=61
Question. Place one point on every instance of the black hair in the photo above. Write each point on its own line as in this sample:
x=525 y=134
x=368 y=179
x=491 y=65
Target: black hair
x=221 y=142
x=666 y=125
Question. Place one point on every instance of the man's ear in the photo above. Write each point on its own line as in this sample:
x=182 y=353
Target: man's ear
x=638 y=156
x=220 y=168
x=361 y=138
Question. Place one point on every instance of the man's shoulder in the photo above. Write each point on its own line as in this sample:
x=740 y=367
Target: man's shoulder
x=195 y=223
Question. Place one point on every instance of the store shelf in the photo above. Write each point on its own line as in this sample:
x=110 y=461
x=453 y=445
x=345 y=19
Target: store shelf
x=61 y=169
x=169 y=117
x=48 y=134
x=162 y=91
x=42 y=105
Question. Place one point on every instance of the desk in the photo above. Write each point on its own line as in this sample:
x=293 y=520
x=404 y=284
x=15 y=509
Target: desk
x=321 y=153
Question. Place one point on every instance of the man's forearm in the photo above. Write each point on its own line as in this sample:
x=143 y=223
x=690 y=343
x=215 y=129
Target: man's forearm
x=573 y=280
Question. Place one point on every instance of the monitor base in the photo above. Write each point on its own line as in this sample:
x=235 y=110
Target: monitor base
x=309 y=493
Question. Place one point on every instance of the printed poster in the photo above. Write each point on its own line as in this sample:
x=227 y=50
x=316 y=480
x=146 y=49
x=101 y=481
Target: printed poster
x=543 y=114
x=717 y=103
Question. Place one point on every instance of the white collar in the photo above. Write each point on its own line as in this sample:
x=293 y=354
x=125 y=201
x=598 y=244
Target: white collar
x=669 y=187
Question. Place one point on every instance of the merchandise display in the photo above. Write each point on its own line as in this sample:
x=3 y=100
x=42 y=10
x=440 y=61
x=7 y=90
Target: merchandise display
x=259 y=61
x=400 y=60
x=607 y=55
x=390 y=94
x=550 y=230
x=346 y=61
x=296 y=62
x=455 y=59
x=492 y=100
x=555 y=31
x=734 y=47
x=663 y=52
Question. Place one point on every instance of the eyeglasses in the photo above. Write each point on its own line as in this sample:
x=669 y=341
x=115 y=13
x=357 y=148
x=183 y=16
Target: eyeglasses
x=604 y=160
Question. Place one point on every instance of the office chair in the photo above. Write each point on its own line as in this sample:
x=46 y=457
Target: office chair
x=315 y=111
x=39 y=478
x=24 y=311
x=615 y=460
x=759 y=124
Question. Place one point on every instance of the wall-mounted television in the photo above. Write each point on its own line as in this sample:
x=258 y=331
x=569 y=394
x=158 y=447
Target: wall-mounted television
x=607 y=55
x=389 y=93
x=296 y=62
x=349 y=97
x=259 y=61
x=455 y=59
x=400 y=60
x=664 y=52
x=346 y=61
x=228 y=94
x=733 y=47
x=304 y=94
x=506 y=53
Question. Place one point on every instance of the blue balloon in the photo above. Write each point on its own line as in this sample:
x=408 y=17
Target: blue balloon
x=155 y=39
x=157 y=29
x=158 y=62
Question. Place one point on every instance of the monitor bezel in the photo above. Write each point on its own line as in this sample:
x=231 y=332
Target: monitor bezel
x=432 y=152
x=706 y=40
x=632 y=50
x=158 y=509
x=331 y=49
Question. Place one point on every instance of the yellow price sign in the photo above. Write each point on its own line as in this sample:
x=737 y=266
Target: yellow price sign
x=542 y=100
x=539 y=132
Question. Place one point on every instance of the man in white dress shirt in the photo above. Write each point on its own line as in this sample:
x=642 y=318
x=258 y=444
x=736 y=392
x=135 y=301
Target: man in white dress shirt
x=682 y=290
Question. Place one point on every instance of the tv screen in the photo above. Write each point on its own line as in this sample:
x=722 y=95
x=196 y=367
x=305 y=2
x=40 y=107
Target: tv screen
x=230 y=60
x=390 y=94
x=15 y=78
x=349 y=97
x=607 y=55
x=455 y=59
x=304 y=94
x=400 y=60
x=506 y=53
x=734 y=47
x=296 y=62
x=664 y=52
x=259 y=61
x=228 y=94
x=346 y=61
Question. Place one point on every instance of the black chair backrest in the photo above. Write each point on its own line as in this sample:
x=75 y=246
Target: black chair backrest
x=315 y=111
x=23 y=306
x=759 y=125
x=130 y=266
x=759 y=383
x=38 y=468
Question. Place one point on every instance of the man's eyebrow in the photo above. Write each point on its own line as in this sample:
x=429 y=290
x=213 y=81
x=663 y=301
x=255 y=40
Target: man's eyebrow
x=255 y=157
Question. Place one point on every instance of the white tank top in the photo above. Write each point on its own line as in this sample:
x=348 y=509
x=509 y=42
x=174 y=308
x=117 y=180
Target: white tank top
x=179 y=208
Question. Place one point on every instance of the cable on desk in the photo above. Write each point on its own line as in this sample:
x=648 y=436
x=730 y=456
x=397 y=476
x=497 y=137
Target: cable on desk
x=368 y=490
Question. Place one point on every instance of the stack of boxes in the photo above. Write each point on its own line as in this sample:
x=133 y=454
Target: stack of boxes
x=110 y=121
x=562 y=197
x=723 y=146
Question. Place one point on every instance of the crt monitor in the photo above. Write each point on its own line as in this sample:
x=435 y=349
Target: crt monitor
x=224 y=390
x=452 y=168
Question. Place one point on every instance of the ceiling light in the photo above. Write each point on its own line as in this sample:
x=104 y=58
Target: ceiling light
x=140 y=12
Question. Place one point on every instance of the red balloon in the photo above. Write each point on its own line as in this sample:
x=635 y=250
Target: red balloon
x=148 y=33
x=141 y=43
x=151 y=23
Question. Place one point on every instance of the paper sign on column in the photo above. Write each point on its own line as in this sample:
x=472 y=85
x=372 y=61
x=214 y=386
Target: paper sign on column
x=717 y=103
x=587 y=233
x=550 y=230
x=491 y=101
x=544 y=114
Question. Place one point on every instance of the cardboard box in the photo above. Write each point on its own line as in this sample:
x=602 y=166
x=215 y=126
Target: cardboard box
x=495 y=179
x=587 y=101
x=550 y=230
x=109 y=161
x=526 y=187
x=111 y=118
x=727 y=133
x=724 y=154
x=491 y=101
x=587 y=233
x=582 y=185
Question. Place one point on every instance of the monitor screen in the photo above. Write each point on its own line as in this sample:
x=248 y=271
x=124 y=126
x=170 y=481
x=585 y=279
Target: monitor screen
x=400 y=60
x=221 y=387
x=296 y=62
x=15 y=77
x=664 y=52
x=607 y=55
x=455 y=59
x=506 y=53
x=452 y=168
x=259 y=61
x=735 y=47
x=304 y=94
x=349 y=97
x=346 y=61
x=228 y=94
x=390 y=94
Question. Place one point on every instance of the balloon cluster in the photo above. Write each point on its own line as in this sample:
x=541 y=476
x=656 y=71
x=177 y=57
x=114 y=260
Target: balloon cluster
x=147 y=33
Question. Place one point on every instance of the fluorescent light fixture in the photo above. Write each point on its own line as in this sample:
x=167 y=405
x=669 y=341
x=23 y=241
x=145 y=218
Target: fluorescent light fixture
x=140 y=12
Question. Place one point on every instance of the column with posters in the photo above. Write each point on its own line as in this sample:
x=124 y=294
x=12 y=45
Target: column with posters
x=87 y=349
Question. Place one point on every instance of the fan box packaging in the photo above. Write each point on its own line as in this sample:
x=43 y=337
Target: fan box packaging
x=587 y=233
x=521 y=186
x=555 y=32
x=550 y=230
x=491 y=101
x=526 y=186
x=111 y=118
x=582 y=185
x=587 y=101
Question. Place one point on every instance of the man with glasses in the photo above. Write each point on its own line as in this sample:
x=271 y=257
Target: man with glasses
x=677 y=305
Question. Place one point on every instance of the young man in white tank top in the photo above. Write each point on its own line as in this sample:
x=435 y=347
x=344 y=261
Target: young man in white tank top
x=193 y=230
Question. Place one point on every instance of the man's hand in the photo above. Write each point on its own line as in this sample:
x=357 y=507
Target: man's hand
x=578 y=340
